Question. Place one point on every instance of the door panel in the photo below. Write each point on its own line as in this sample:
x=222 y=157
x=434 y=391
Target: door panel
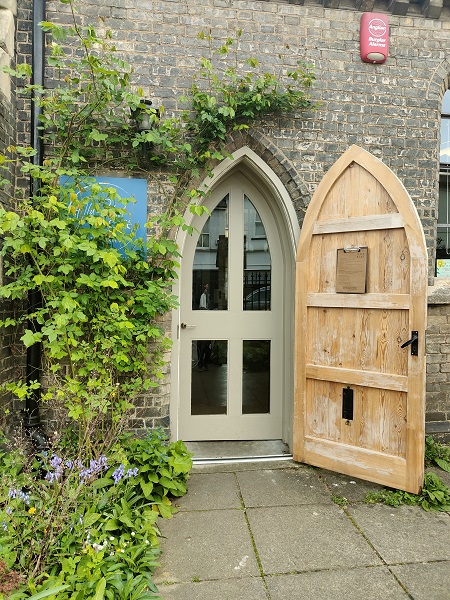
x=231 y=314
x=360 y=395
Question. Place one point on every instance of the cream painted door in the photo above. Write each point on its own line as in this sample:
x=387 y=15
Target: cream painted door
x=231 y=320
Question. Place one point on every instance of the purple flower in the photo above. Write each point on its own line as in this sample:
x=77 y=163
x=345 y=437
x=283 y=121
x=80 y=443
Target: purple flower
x=118 y=474
x=13 y=493
x=95 y=467
x=4 y=525
x=132 y=472
x=57 y=464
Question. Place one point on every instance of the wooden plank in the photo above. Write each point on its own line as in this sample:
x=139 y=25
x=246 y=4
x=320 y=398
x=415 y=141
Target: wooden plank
x=378 y=421
x=358 y=462
x=367 y=223
x=381 y=301
x=416 y=371
x=388 y=381
x=299 y=375
x=367 y=340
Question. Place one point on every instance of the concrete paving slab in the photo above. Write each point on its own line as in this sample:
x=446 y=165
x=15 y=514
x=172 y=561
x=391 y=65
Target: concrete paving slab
x=302 y=538
x=206 y=545
x=354 y=490
x=211 y=491
x=406 y=533
x=272 y=487
x=426 y=581
x=251 y=588
x=370 y=583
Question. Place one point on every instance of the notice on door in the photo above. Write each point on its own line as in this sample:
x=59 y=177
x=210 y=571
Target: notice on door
x=351 y=271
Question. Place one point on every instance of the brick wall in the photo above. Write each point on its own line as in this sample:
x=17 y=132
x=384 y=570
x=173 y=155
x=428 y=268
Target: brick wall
x=8 y=357
x=438 y=363
x=391 y=110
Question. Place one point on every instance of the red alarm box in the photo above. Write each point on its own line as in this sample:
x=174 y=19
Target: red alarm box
x=374 y=37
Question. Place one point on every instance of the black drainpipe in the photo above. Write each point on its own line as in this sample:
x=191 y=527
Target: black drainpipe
x=32 y=421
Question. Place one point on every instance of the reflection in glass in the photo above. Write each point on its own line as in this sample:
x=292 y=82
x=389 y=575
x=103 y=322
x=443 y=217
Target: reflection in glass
x=209 y=381
x=257 y=263
x=210 y=270
x=256 y=377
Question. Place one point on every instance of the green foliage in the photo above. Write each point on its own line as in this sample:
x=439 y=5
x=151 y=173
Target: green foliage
x=435 y=495
x=103 y=291
x=225 y=97
x=339 y=500
x=86 y=529
x=437 y=454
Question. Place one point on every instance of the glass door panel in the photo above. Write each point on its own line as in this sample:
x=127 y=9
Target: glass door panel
x=209 y=381
x=210 y=270
x=257 y=261
x=255 y=377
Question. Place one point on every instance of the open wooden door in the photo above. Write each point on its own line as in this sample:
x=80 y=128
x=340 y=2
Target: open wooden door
x=360 y=395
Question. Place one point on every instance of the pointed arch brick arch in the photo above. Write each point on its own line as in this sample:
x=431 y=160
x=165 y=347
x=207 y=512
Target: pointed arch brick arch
x=275 y=158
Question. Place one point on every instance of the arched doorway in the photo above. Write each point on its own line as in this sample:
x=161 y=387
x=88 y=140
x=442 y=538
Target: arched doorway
x=233 y=328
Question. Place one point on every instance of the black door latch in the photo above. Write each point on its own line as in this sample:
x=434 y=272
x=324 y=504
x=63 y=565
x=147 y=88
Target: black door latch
x=413 y=342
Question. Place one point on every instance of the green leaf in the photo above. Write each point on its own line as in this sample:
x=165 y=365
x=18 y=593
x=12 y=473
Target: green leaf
x=90 y=518
x=126 y=520
x=112 y=525
x=66 y=269
x=97 y=136
x=443 y=464
x=101 y=483
x=165 y=511
x=100 y=589
x=109 y=283
x=147 y=488
x=28 y=338
x=51 y=592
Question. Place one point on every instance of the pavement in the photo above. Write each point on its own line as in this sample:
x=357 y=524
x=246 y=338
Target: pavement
x=279 y=530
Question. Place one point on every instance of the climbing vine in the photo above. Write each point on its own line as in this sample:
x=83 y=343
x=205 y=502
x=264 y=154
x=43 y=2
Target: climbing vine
x=103 y=288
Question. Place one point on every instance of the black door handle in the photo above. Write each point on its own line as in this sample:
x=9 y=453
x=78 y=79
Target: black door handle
x=413 y=342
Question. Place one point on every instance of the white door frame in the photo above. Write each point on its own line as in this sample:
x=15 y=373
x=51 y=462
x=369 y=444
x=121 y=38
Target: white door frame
x=271 y=187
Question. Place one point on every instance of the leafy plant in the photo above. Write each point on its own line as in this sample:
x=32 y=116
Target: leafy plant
x=435 y=495
x=339 y=500
x=80 y=528
x=437 y=453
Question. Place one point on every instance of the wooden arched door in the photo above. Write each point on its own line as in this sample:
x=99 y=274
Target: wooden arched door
x=361 y=295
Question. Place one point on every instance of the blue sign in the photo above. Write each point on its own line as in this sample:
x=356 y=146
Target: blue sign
x=126 y=187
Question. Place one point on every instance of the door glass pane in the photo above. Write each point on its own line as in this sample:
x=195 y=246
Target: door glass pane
x=210 y=270
x=257 y=263
x=256 y=377
x=209 y=377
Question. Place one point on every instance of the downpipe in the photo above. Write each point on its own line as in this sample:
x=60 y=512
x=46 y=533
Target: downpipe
x=32 y=420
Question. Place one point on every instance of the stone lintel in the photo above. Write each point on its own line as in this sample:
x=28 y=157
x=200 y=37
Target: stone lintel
x=439 y=293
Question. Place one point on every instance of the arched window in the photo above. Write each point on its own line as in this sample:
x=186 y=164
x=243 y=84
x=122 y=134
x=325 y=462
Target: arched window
x=443 y=226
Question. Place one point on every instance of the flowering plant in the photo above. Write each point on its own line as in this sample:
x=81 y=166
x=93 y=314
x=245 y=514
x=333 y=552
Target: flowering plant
x=88 y=528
